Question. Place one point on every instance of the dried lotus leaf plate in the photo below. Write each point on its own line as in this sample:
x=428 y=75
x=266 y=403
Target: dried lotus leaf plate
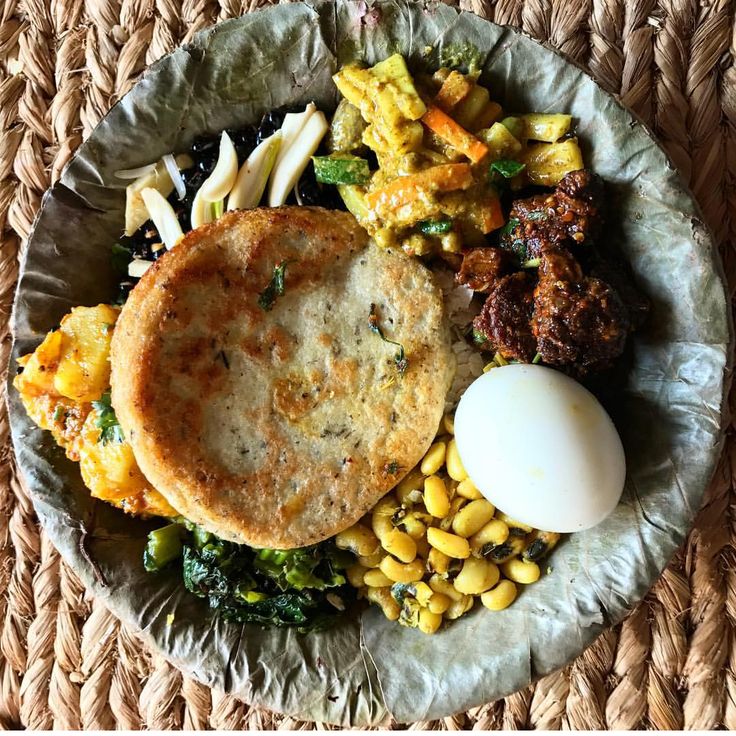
x=667 y=404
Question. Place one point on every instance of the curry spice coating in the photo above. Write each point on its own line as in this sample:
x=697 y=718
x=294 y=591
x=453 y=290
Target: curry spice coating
x=562 y=315
x=578 y=320
x=569 y=215
x=505 y=317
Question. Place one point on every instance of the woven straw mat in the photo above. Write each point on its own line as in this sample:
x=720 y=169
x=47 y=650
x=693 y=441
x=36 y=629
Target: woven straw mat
x=66 y=662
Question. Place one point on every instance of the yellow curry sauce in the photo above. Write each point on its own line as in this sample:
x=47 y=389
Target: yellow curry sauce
x=60 y=381
x=437 y=139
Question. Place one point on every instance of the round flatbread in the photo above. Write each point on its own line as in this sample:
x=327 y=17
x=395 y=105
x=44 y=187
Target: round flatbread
x=250 y=375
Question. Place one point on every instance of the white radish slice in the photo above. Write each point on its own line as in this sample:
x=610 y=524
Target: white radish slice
x=138 y=267
x=135 y=173
x=175 y=174
x=292 y=126
x=163 y=217
x=219 y=183
x=253 y=174
x=201 y=211
x=286 y=174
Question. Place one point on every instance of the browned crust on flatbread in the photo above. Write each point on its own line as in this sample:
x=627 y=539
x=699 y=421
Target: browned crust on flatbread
x=279 y=428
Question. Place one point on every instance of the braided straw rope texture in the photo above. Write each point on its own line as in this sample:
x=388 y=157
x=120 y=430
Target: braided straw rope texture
x=67 y=663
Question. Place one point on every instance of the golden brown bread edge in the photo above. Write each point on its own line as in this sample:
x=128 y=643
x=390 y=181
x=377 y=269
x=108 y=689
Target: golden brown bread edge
x=279 y=427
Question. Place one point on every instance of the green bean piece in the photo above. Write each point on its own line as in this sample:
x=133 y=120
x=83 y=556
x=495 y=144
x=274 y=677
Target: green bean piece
x=164 y=546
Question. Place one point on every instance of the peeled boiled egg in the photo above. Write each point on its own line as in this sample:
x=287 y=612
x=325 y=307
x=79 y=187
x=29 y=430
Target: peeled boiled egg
x=540 y=447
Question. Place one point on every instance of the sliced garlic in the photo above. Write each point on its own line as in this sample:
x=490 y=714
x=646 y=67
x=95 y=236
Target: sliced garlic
x=163 y=216
x=201 y=211
x=175 y=174
x=253 y=174
x=292 y=126
x=219 y=183
x=286 y=173
x=138 y=267
x=134 y=173
x=157 y=178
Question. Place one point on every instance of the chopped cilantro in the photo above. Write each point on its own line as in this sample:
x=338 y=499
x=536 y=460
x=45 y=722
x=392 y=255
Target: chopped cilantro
x=107 y=421
x=479 y=338
x=391 y=468
x=435 y=227
x=275 y=288
x=509 y=227
x=507 y=169
x=400 y=360
x=59 y=413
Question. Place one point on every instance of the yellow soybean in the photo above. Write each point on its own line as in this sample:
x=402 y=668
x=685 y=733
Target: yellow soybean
x=500 y=597
x=376 y=579
x=409 y=486
x=459 y=608
x=415 y=528
x=400 y=545
x=455 y=468
x=371 y=560
x=429 y=622
x=513 y=523
x=440 y=585
x=383 y=597
x=472 y=518
x=476 y=577
x=437 y=561
x=521 y=572
x=400 y=572
x=511 y=548
x=449 y=544
x=359 y=539
x=494 y=532
x=435 y=497
x=355 y=575
x=455 y=505
x=423 y=593
x=434 y=459
x=382 y=514
x=439 y=603
x=448 y=422
x=467 y=489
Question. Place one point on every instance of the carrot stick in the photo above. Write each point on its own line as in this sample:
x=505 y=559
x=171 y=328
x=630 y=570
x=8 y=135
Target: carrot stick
x=491 y=216
x=451 y=132
x=453 y=91
x=406 y=189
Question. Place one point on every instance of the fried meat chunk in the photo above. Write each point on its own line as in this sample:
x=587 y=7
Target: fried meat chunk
x=571 y=213
x=505 y=318
x=578 y=321
x=483 y=268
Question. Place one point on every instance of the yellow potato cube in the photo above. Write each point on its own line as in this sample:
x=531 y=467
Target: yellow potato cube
x=83 y=371
x=40 y=366
x=547 y=163
x=549 y=127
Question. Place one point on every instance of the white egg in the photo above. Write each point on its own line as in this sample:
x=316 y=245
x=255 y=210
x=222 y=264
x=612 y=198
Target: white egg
x=540 y=447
